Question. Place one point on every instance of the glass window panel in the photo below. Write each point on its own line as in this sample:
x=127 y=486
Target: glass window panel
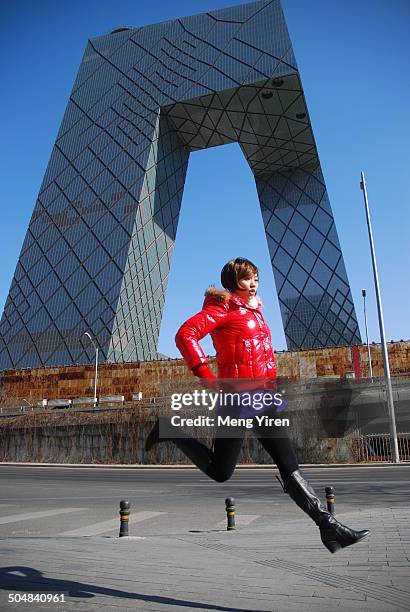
x=322 y=338
x=276 y=229
x=306 y=258
x=95 y=312
x=314 y=239
x=330 y=255
x=49 y=194
x=305 y=311
x=97 y=260
x=57 y=303
x=339 y=297
x=289 y=295
x=335 y=308
x=108 y=277
x=317 y=322
x=314 y=189
x=75 y=188
x=39 y=321
x=337 y=285
x=290 y=243
x=348 y=306
x=335 y=337
x=101 y=182
x=77 y=280
x=39 y=271
x=339 y=326
x=86 y=246
x=299 y=225
x=322 y=221
x=297 y=276
x=56 y=252
x=92 y=170
x=117 y=244
x=341 y=270
x=284 y=211
x=48 y=286
x=306 y=208
x=313 y=291
x=25 y=286
x=87 y=298
x=332 y=235
x=112 y=295
x=282 y=261
x=31 y=256
x=148 y=233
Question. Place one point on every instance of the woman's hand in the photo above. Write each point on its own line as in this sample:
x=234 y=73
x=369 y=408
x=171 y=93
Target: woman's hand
x=203 y=371
x=210 y=381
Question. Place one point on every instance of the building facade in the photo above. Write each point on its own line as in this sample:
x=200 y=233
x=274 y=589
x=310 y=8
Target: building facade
x=98 y=249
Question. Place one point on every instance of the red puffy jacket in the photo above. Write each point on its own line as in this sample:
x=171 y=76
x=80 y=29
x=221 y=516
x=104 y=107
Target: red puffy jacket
x=240 y=335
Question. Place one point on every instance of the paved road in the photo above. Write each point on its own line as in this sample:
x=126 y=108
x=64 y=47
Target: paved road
x=186 y=561
x=62 y=501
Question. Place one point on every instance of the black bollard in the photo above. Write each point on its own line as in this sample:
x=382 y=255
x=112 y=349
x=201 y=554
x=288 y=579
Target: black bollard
x=124 y=517
x=230 y=513
x=330 y=499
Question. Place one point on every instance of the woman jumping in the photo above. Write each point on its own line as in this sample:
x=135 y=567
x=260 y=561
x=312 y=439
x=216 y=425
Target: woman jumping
x=242 y=341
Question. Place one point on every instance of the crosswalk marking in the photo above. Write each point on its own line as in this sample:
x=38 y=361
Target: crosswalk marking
x=236 y=484
x=241 y=520
x=111 y=525
x=27 y=516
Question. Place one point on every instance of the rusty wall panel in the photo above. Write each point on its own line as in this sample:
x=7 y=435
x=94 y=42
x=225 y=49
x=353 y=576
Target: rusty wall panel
x=307 y=366
x=151 y=377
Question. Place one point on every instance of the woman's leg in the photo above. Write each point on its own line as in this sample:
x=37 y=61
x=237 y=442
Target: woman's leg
x=334 y=535
x=225 y=456
x=282 y=453
x=218 y=463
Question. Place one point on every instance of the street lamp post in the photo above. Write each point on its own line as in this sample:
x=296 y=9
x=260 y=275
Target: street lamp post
x=96 y=367
x=367 y=334
x=389 y=390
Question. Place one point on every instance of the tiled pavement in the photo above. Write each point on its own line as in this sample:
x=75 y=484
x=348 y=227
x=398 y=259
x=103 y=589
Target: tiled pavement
x=280 y=567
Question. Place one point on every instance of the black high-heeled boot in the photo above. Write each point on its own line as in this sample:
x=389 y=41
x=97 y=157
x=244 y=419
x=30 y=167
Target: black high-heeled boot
x=333 y=534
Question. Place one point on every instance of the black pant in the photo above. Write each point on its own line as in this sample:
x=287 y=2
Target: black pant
x=220 y=462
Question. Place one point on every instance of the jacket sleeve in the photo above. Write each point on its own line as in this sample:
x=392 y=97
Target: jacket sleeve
x=197 y=327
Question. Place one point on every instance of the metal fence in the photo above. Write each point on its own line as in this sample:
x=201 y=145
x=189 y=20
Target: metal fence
x=377 y=447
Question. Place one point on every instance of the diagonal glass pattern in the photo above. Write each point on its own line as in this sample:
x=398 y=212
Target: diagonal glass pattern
x=98 y=250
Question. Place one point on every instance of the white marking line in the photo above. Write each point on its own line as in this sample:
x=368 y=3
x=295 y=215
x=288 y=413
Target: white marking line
x=104 y=526
x=369 y=483
x=231 y=484
x=75 y=497
x=14 y=518
x=241 y=520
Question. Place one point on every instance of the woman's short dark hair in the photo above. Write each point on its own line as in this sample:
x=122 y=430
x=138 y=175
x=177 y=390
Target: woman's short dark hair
x=235 y=270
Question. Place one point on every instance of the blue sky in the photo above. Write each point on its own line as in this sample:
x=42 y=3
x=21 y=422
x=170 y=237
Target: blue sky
x=354 y=63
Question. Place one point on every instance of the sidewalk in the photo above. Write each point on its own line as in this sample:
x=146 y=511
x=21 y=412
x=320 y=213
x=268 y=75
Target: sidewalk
x=190 y=466
x=279 y=568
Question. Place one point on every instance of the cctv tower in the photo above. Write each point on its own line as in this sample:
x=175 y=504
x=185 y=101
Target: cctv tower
x=98 y=250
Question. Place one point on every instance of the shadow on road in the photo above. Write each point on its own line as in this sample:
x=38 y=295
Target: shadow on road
x=28 y=580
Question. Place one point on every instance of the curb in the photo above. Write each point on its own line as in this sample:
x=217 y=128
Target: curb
x=185 y=466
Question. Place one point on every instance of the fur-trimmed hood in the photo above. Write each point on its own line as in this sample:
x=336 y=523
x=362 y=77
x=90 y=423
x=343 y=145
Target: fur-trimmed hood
x=223 y=295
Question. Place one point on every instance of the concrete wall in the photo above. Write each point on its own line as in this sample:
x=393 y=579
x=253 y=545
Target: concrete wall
x=153 y=378
x=118 y=437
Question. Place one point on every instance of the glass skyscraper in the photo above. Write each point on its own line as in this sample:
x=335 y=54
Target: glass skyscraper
x=98 y=249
